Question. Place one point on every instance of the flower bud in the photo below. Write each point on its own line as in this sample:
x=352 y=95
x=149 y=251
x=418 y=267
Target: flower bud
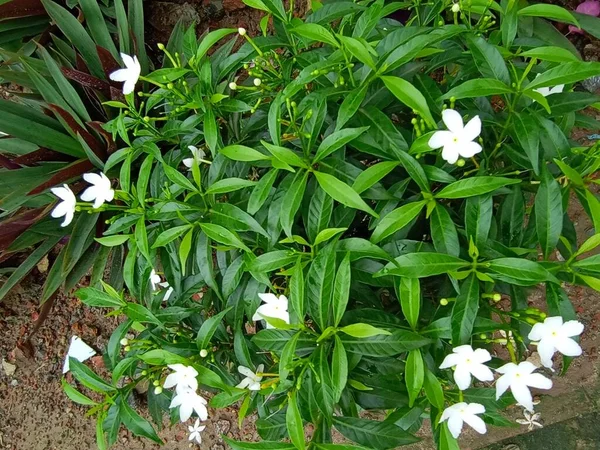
x=257 y=82
x=444 y=302
x=242 y=31
x=455 y=8
x=144 y=373
x=483 y=336
x=124 y=342
x=233 y=86
x=156 y=383
x=460 y=162
x=203 y=353
x=497 y=297
x=146 y=119
x=127 y=348
x=158 y=390
x=160 y=46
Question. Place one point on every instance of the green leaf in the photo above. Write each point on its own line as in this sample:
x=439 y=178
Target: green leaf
x=363 y=330
x=211 y=39
x=548 y=213
x=590 y=244
x=410 y=96
x=519 y=271
x=184 y=250
x=527 y=132
x=552 y=54
x=97 y=25
x=285 y=155
x=443 y=231
x=294 y=424
x=358 y=50
x=488 y=59
x=339 y=369
x=446 y=440
x=292 y=200
x=478 y=218
x=433 y=390
x=297 y=290
x=551 y=12
x=113 y=241
x=372 y=433
x=350 y=105
x=315 y=32
x=263 y=445
x=414 y=375
x=95 y=297
x=227 y=185
x=208 y=328
x=170 y=235
x=75 y=395
x=140 y=313
x=341 y=192
x=136 y=423
x=243 y=153
x=409 y=293
x=261 y=191
x=178 y=178
x=421 y=265
x=372 y=175
x=465 y=310
x=268 y=262
x=223 y=235
x=337 y=140
x=480 y=87
x=570 y=72
x=399 y=341
x=320 y=286
x=89 y=379
x=141 y=238
x=396 y=220
x=470 y=187
x=341 y=290
x=327 y=234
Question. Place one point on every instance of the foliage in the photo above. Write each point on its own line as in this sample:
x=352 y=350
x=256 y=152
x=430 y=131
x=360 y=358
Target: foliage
x=311 y=175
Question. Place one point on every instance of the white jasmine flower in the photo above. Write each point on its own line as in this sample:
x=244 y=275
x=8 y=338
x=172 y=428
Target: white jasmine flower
x=154 y=280
x=184 y=378
x=233 y=85
x=531 y=420
x=257 y=82
x=197 y=155
x=276 y=307
x=78 y=350
x=242 y=31
x=553 y=335
x=170 y=290
x=189 y=402
x=100 y=190
x=462 y=412
x=546 y=91
x=520 y=378
x=130 y=74
x=455 y=8
x=203 y=353
x=467 y=362
x=252 y=380
x=458 y=141
x=195 y=431
x=65 y=208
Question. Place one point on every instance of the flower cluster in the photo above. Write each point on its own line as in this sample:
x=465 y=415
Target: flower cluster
x=550 y=336
x=99 y=192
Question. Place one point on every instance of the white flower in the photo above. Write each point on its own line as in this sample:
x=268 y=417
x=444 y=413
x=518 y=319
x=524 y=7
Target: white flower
x=546 y=91
x=520 y=378
x=195 y=432
x=531 y=420
x=455 y=8
x=276 y=307
x=78 y=350
x=203 y=353
x=458 y=141
x=252 y=380
x=130 y=75
x=188 y=402
x=170 y=290
x=553 y=335
x=197 y=155
x=462 y=412
x=467 y=362
x=100 y=190
x=66 y=207
x=257 y=82
x=154 y=280
x=242 y=31
x=184 y=378
x=233 y=85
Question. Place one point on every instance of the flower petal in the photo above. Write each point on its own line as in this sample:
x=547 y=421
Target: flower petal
x=68 y=218
x=482 y=372
x=268 y=297
x=572 y=328
x=119 y=75
x=537 y=331
x=185 y=411
x=89 y=194
x=450 y=360
x=568 y=347
x=244 y=383
x=462 y=377
x=129 y=86
x=475 y=422
x=440 y=138
x=245 y=371
x=481 y=355
x=546 y=351
x=472 y=129
x=453 y=120
x=502 y=385
x=539 y=381
x=455 y=424
x=468 y=149
x=475 y=408
x=171 y=381
x=450 y=153
x=522 y=395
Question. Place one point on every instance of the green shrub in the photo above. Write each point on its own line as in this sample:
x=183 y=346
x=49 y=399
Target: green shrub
x=328 y=219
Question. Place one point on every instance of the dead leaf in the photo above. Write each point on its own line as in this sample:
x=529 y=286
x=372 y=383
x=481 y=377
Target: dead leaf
x=9 y=368
x=42 y=266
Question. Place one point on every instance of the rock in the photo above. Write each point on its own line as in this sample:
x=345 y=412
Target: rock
x=9 y=369
x=42 y=266
x=14 y=383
